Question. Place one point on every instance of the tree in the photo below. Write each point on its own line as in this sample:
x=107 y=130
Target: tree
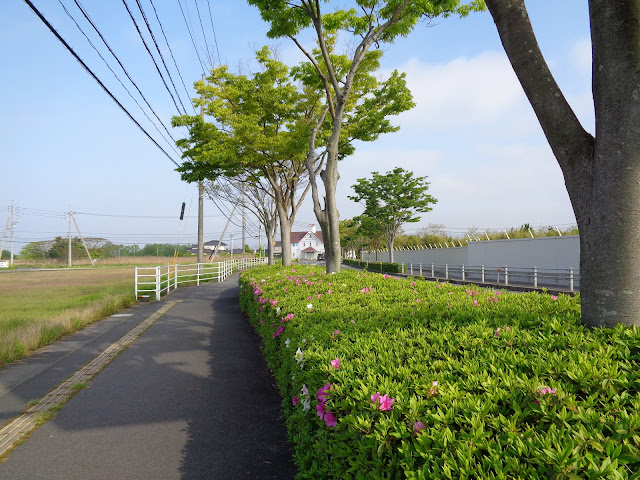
x=601 y=173
x=258 y=198
x=393 y=200
x=374 y=23
x=36 y=250
x=260 y=132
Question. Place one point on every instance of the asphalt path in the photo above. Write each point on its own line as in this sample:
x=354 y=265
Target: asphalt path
x=190 y=398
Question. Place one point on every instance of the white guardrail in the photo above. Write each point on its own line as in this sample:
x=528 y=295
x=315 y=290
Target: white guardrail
x=158 y=281
x=562 y=278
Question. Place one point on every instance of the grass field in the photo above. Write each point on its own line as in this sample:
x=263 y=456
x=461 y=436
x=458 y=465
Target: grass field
x=38 y=307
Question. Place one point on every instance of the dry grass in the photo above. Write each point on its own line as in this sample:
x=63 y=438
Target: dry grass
x=114 y=261
x=39 y=307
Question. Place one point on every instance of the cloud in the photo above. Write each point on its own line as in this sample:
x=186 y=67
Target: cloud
x=580 y=56
x=463 y=93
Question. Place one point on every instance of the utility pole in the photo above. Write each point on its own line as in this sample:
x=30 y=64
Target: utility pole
x=201 y=199
x=244 y=225
x=69 y=238
x=231 y=246
x=82 y=238
x=6 y=227
x=12 y=225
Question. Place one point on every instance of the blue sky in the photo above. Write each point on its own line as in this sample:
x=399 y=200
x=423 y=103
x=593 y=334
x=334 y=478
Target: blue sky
x=66 y=144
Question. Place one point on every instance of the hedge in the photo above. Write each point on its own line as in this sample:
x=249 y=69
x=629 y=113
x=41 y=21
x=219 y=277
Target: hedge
x=399 y=378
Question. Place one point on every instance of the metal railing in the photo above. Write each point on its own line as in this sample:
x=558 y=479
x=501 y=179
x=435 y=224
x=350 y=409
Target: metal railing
x=158 y=281
x=565 y=278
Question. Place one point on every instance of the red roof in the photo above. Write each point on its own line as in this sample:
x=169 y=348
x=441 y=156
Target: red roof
x=296 y=237
x=309 y=250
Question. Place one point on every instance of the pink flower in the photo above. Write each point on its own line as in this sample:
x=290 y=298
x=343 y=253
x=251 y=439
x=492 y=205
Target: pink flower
x=278 y=331
x=418 y=427
x=295 y=400
x=320 y=410
x=310 y=298
x=336 y=332
x=386 y=402
x=330 y=419
x=261 y=322
x=413 y=284
x=554 y=297
x=330 y=292
x=323 y=393
x=335 y=363
x=475 y=303
x=435 y=383
x=497 y=332
x=319 y=295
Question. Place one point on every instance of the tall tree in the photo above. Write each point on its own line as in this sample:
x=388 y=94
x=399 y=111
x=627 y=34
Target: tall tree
x=259 y=200
x=372 y=23
x=260 y=132
x=392 y=200
x=601 y=173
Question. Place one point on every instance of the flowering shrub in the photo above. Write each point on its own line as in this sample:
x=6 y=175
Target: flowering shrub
x=421 y=380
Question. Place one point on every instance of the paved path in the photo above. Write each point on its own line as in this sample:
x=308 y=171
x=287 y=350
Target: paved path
x=190 y=398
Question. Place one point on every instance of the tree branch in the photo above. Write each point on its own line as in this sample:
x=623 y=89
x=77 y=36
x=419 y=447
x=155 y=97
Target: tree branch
x=571 y=144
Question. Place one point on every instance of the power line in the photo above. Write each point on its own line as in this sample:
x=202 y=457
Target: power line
x=86 y=16
x=191 y=35
x=215 y=39
x=204 y=36
x=118 y=78
x=75 y=55
x=144 y=42
x=153 y=37
x=171 y=52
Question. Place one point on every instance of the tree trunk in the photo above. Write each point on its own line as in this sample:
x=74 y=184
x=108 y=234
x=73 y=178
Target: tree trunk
x=602 y=174
x=270 y=243
x=285 y=240
x=390 y=247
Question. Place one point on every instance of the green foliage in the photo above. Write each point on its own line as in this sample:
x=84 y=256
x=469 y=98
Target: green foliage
x=392 y=200
x=375 y=266
x=524 y=390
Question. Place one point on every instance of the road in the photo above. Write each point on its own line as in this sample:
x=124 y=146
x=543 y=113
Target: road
x=190 y=398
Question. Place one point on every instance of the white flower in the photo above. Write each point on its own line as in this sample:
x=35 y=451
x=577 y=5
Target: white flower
x=304 y=340
x=299 y=356
x=278 y=311
x=309 y=306
x=306 y=400
x=287 y=342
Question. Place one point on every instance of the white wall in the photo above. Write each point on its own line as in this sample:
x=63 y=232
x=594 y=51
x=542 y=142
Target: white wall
x=545 y=253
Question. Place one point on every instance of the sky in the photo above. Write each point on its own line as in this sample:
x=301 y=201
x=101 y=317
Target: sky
x=66 y=145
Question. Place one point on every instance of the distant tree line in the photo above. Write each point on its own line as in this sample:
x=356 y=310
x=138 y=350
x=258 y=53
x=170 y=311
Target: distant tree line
x=58 y=248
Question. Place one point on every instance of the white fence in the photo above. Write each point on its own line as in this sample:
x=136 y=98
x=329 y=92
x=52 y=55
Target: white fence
x=562 y=278
x=158 y=281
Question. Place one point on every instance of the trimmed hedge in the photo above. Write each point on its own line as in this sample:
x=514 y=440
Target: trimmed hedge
x=399 y=378
x=375 y=266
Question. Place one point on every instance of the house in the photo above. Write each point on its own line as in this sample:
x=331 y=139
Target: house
x=304 y=245
x=307 y=245
x=208 y=247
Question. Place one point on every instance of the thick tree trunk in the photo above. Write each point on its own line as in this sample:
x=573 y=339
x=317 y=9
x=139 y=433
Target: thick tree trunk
x=285 y=240
x=332 y=236
x=602 y=174
x=270 y=242
x=609 y=239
